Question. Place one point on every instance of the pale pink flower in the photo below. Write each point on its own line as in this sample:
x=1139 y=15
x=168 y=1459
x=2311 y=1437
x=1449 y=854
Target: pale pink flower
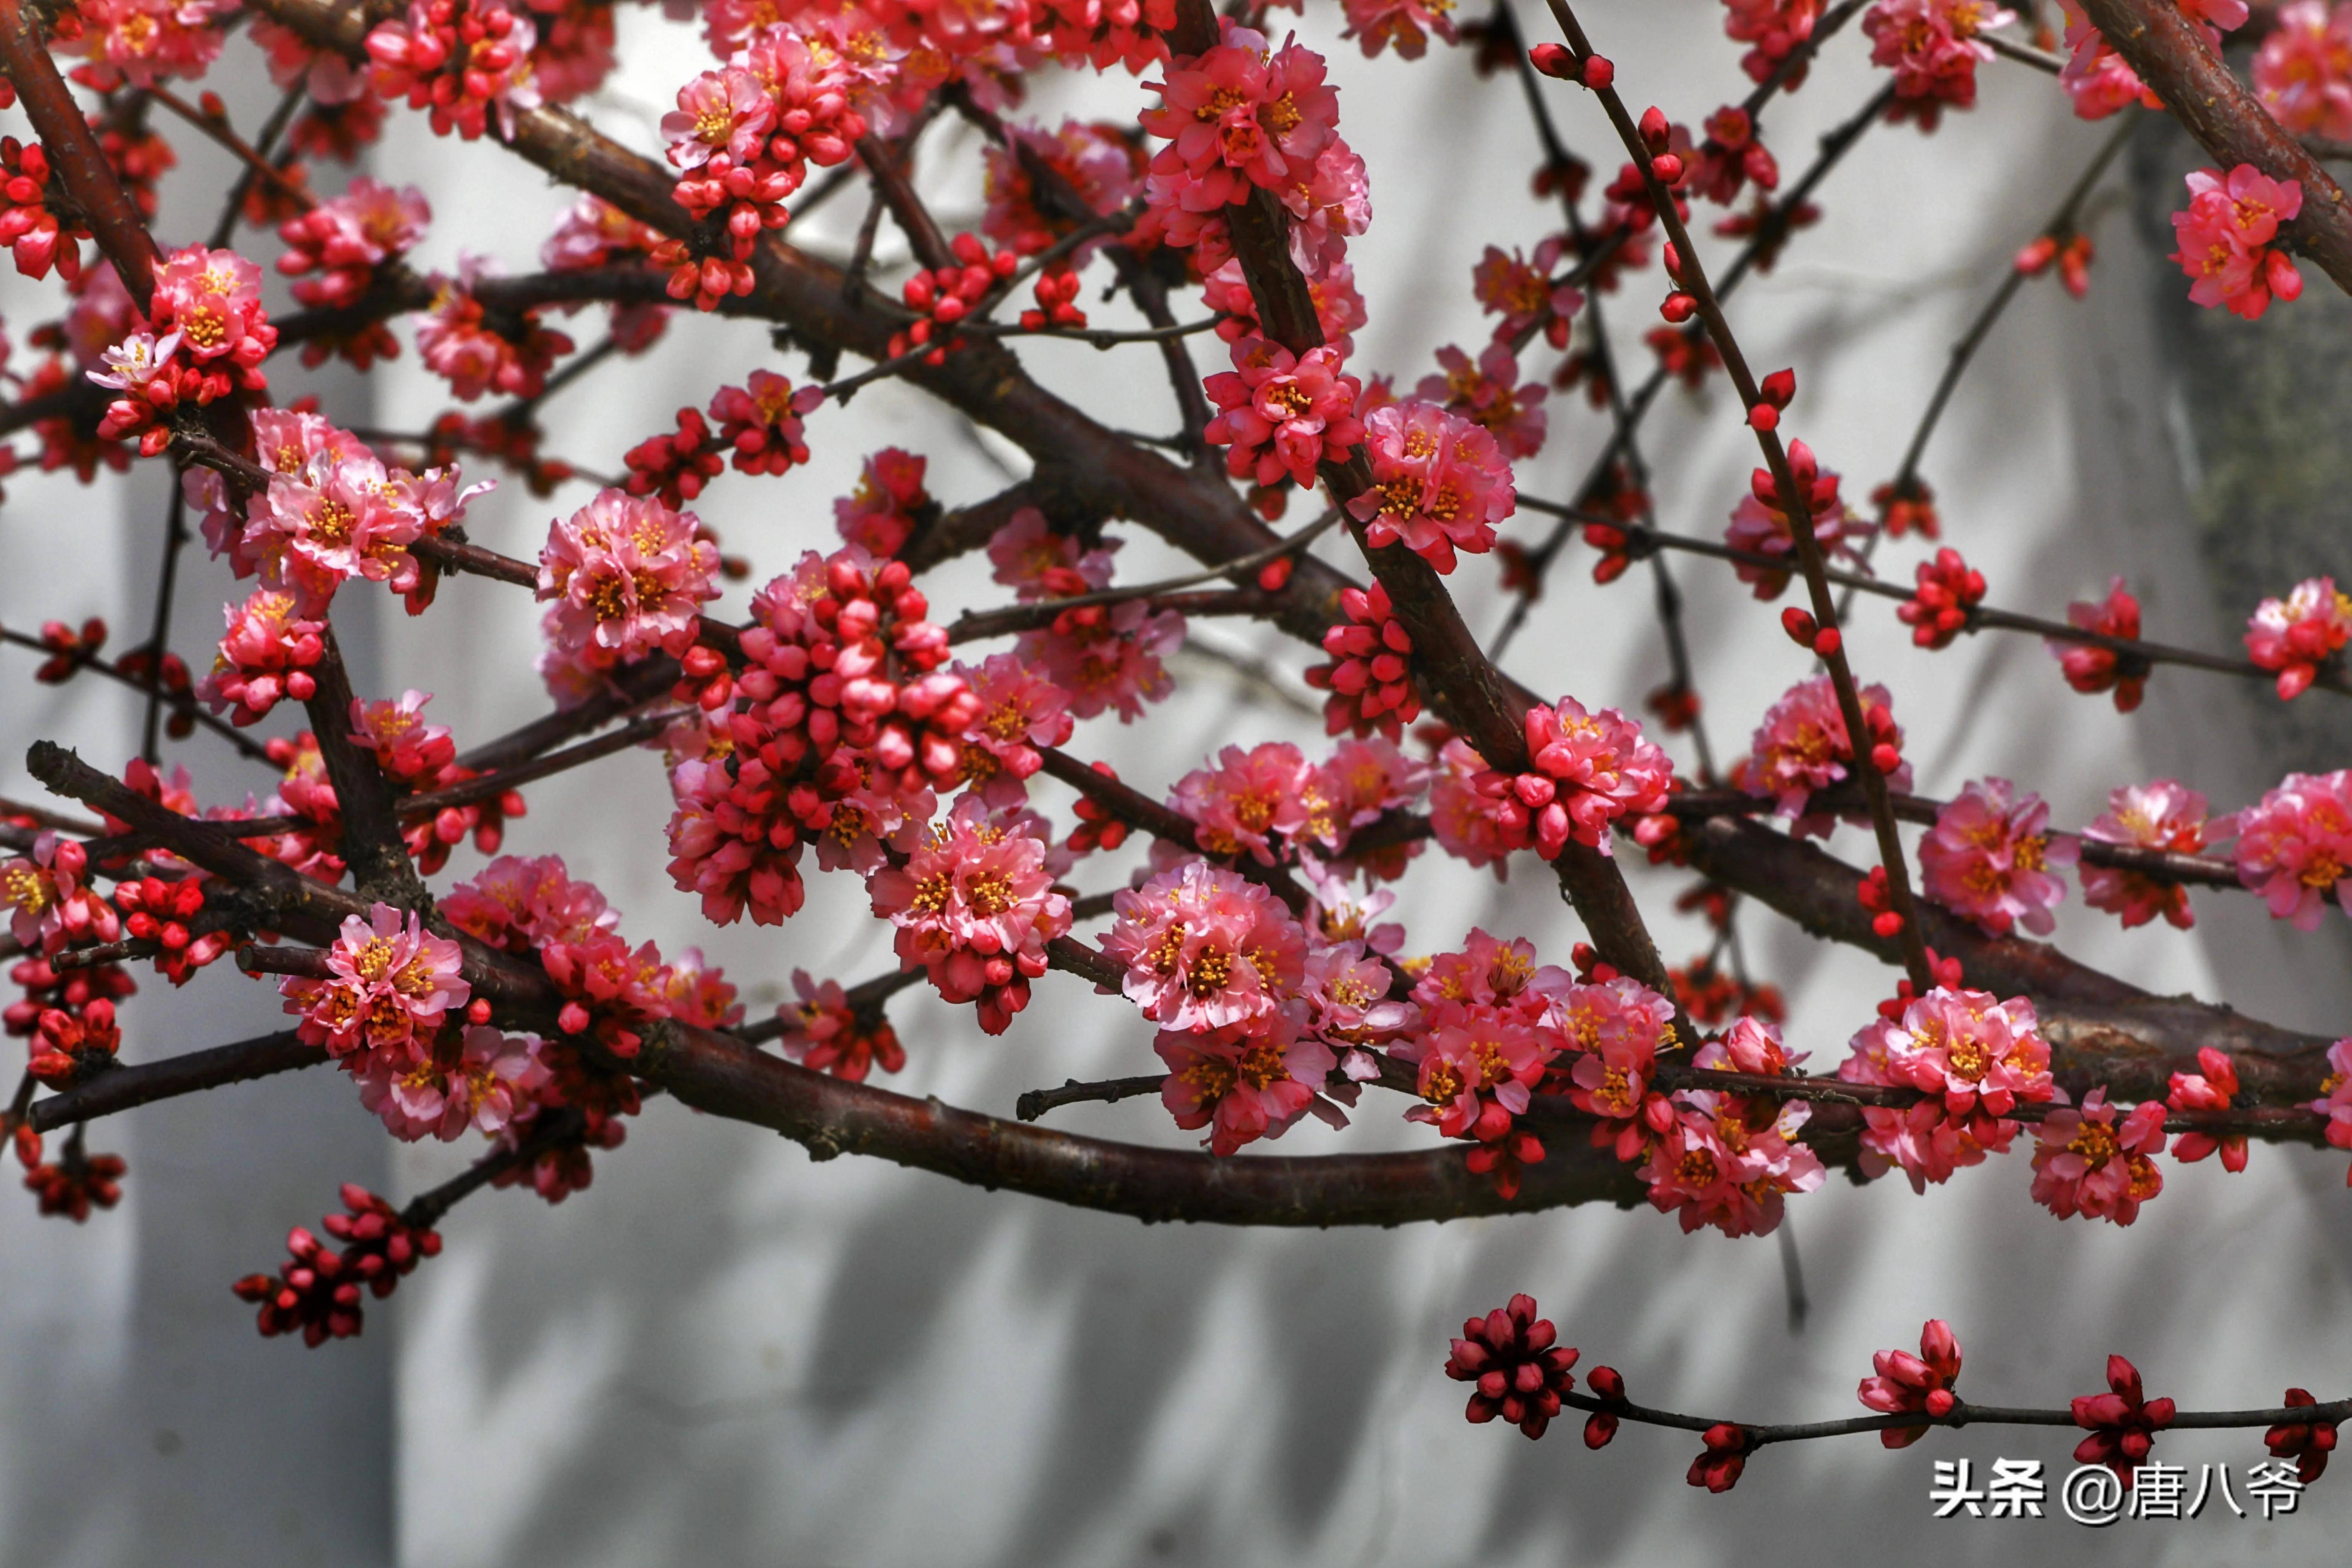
x=974 y=906
x=1468 y=823
x=1091 y=156
x=390 y=982
x=1244 y=1081
x=1241 y=113
x=338 y=521
x=2096 y=77
x=1484 y=394
x=2086 y=1162
x=1490 y=972
x=1439 y=483
x=1248 y=801
x=460 y=344
x=212 y=298
x=144 y=42
x=344 y=240
x=2303 y=72
x=1346 y=990
x=718 y=112
x=1021 y=710
x=50 y=905
x=1775 y=26
x=1113 y=667
x=1476 y=1067
x=1713 y=1166
x=1407 y=23
x=1204 y=949
x=2297 y=634
x=1027 y=551
x=1282 y=413
x=1984 y=859
x=523 y=904
x=1932 y=47
x=408 y=748
x=2166 y=815
x=1802 y=746
x=1521 y=291
x=1974 y=1050
x=627 y=577
x=1336 y=915
x=826 y=1034
x=2294 y=847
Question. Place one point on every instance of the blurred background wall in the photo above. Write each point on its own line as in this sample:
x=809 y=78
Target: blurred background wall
x=724 y=1352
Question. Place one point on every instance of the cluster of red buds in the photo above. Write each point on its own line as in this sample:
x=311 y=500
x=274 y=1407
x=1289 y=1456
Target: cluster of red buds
x=2072 y=256
x=1675 y=705
x=1369 y=677
x=70 y=1046
x=72 y=990
x=1098 y=828
x=1519 y=1367
x=2308 y=1443
x=942 y=296
x=676 y=468
x=760 y=422
x=742 y=139
x=71 y=1185
x=28 y=225
x=1907 y=507
x=159 y=911
x=1711 y=997
x=1620 y=546
x=1056 y=293
x=317 y=1291
x=2122 y=1423
x=843 y=692
x=1939 y=609
x=457 y=61
x=70 y=649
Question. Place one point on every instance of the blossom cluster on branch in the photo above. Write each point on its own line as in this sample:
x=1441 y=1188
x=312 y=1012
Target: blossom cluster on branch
x=842 y=727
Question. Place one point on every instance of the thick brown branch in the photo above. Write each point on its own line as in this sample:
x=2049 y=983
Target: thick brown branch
x=132 y=1085
x=829 y=1117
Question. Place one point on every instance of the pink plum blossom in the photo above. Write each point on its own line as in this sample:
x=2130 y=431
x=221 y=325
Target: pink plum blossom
x=1984 y=859
x=2294 y=847
x=2166 y=815
x=2086 y=1161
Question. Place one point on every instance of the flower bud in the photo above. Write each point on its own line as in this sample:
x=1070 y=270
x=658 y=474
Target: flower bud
x=1799 y=625
x=1553 y=60
x=1828 y=641
x=1598 y=73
